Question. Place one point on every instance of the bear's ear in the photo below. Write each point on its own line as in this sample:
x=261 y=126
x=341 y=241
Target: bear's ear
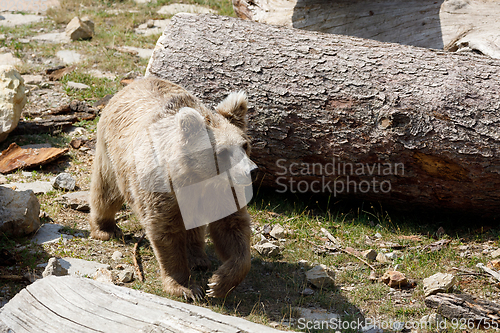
x=234 y=108
x=190 y=121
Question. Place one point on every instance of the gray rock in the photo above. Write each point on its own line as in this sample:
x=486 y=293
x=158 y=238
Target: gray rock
x=82 y=267
x=19 y=212
x=117 y=255
x=495 y=254
x=38 y=187
x=370 y=254
x=54 y=268
x=53 y=37
x=76 y=200
x=267 y=249
x=79 y=29
x=49 y=233
x=432 y=321
x=321 y=276
x=392 y=255
x=69 y=57
x=12 y=20
x=184 y=8
x=438 y=283
x=278 y=232
x=64 y=181
x=12 y=99
x=125 y=276
x=307 y=292
x=77 y=85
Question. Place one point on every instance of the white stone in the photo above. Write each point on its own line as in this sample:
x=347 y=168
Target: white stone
x=157 y=28
x=278 y=232
x=28 y=6
x=320 y=276
x=12 y=20
x=76 y=200
x=53 y=37
x=267 y=249
x=103 y=275
x=49 y=233
x=98 y=74
x=12 y=99
x=32 y=79
x=125 y=276
x=38 y=187
x=82 y=267
x=64 y=181
x=141 y=53
x=69 y=57
x=19 y=212
x=117 y=255
x=391 y=255
x=320 y=315
x=77 y=85
x=184 y=8
x=438 y=283
x=54 y=268
x=495 y=254
x=80 y=29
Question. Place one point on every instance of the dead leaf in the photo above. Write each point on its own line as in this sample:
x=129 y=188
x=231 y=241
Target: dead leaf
x=15 y=157
x=437 y=246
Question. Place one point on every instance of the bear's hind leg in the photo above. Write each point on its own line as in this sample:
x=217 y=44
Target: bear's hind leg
x=231 y=236
x=105 y=201
x=195 y=246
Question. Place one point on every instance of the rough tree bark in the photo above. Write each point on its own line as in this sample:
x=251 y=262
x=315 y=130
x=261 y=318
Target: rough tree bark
x=444 y=24
x=472 y=310
x=315 y=98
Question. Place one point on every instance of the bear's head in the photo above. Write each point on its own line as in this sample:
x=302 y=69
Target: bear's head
x=202 y=157
x=216 y=143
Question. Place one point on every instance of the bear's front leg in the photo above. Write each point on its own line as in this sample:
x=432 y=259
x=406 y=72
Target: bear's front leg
x=231 y=237
x=169 y=245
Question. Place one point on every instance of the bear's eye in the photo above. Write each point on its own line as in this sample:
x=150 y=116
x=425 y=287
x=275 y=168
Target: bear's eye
x=245 y=146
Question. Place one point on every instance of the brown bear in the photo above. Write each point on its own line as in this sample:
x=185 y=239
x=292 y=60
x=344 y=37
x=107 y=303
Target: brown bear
x=180 y=167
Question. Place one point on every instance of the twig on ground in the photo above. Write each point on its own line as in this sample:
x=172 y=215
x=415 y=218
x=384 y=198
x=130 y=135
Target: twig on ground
x=339 y=247
x=12 y=277
x=491 y=272
x=467 y=272
x=135 y=257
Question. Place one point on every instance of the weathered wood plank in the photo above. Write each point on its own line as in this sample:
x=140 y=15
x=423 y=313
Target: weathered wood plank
x=72 y=304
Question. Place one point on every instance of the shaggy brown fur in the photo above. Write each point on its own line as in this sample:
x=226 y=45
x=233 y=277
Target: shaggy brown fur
x=117 y=178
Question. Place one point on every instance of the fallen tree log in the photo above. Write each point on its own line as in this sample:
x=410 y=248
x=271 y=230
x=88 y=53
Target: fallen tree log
x=465 y=311
x=348 y=116
x=451 y=25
